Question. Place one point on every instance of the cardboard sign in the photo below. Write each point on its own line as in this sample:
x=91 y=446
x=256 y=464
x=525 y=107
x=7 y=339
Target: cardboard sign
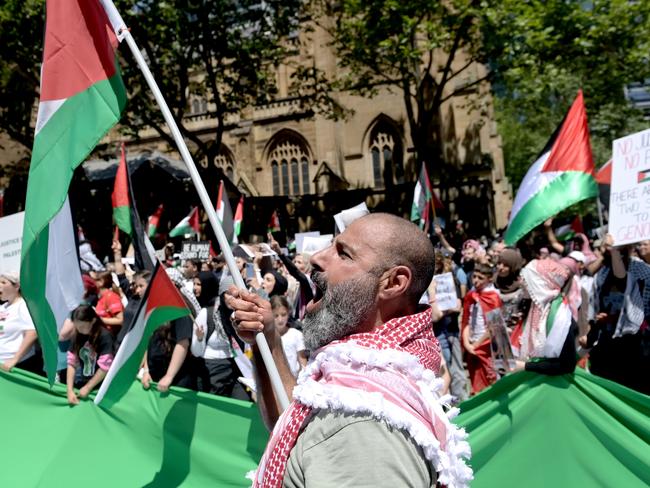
x=629 y=201
x=346 y=217
x=196 y=250
x=446 y=297
x=311 y=245
x=11 y=240
x=300 y=239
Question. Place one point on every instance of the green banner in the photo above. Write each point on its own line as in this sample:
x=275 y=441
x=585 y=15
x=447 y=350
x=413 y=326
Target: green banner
x=558 y=431
x=148 y=439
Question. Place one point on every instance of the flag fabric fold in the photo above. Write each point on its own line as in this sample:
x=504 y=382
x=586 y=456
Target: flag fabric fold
x=424 y=199
x=154 y=221
x=161 y=303
x=189 y=224
x=82 y=96
x=224 y=213
x=239 y=217
x=561 y=176
x=274 y=223
x=120 y=197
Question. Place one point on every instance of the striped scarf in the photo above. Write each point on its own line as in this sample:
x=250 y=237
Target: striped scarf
x=390 y=374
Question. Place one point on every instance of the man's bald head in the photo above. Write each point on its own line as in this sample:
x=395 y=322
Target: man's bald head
x=402 y=243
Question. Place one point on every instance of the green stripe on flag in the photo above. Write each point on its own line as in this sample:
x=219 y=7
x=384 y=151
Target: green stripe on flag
x=63 y=143
x=122 y=218
x=34 y=265
x=60 y=146
x=567 y=189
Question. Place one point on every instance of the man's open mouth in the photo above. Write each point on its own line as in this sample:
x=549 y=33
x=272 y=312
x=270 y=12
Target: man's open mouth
x=315 y=302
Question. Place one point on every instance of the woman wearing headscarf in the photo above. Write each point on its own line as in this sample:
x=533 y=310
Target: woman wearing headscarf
x=508 y=283
x=547 y=343
x=211 y=344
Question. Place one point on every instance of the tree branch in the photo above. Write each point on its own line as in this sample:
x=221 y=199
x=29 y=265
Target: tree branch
x=469 y=85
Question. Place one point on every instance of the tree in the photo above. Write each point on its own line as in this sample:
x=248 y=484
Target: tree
x=560 y=47
x=536 y=55
x=21 y=28
x=219 y=51
x=422 y=48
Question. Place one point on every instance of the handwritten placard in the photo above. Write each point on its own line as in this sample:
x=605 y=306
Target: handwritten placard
x=446 y=297
x=629 y=202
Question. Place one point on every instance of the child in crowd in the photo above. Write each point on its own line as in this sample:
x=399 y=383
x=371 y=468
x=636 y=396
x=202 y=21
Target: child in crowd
x=292 y=340
x=91 y=354
x=109 y=306
x=480 y=306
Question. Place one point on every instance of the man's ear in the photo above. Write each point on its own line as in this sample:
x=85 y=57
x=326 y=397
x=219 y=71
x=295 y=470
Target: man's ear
x=395 y=282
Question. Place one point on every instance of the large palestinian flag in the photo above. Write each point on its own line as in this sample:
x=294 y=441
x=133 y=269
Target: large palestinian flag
x=560 y=177
x=82 y=97
x=161 y=303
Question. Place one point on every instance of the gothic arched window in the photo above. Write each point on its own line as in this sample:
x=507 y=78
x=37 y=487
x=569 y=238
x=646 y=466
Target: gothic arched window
x=386 y=155
x=291 y=175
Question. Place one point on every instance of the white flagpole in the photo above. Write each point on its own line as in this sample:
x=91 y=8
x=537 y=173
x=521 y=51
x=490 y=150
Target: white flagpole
x=122 y=32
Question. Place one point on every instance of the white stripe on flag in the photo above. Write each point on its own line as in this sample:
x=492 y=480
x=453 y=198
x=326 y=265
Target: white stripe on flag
x=532 y=184
x=64 y=288
x=45 y=111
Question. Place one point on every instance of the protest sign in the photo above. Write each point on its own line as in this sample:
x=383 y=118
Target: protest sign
x=629 y=201
x=11 y=239
x=346 y=217
x=311 y=245
x=196 y=250
x=446 y=297
x=300 y=238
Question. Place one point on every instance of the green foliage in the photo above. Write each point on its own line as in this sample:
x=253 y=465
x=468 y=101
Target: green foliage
x=21 y=30
x=219 y=51
x=550 y=49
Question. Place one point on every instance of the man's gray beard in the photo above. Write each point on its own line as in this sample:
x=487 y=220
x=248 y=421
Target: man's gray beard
x=343 y=308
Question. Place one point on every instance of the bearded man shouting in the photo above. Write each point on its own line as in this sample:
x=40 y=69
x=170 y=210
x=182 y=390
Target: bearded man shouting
x=365 y=411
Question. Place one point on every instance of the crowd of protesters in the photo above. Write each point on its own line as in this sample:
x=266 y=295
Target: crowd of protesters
x=546 y=306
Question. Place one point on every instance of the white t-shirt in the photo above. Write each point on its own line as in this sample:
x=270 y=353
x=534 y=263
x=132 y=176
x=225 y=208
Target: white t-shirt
x=14 y=321
x=217 y=345
x=292 y=343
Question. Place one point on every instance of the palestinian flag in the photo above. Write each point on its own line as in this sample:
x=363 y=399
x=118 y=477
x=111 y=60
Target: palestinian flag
x=569 y=231
x=82 y=97
x=561 y=176
x=224 y=213
x=274 y=223
x=161 y=303
x=120 y=196
x=424 y=199
x=154 y=221
x=189 y=225
x=239 y=216
x=604 y=180
x=126 y=217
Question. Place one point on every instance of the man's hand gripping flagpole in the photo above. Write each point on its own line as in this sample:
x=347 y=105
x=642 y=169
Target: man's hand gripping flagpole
x=122 y=33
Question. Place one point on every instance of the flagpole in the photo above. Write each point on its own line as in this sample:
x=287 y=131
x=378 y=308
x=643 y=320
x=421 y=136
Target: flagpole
x=123 y=33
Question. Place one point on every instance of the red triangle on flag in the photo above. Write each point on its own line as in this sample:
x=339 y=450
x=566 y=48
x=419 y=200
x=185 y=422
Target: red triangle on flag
x=194 y=220
x=571 y=150
x=162 y=292
x=604 y=175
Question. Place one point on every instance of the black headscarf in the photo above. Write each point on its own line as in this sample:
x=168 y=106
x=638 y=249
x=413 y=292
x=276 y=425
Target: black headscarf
x=281 y=284
x=209 y=289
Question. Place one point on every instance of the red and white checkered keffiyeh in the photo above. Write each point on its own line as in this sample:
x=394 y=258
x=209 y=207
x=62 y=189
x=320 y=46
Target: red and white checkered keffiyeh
x=390 y=374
